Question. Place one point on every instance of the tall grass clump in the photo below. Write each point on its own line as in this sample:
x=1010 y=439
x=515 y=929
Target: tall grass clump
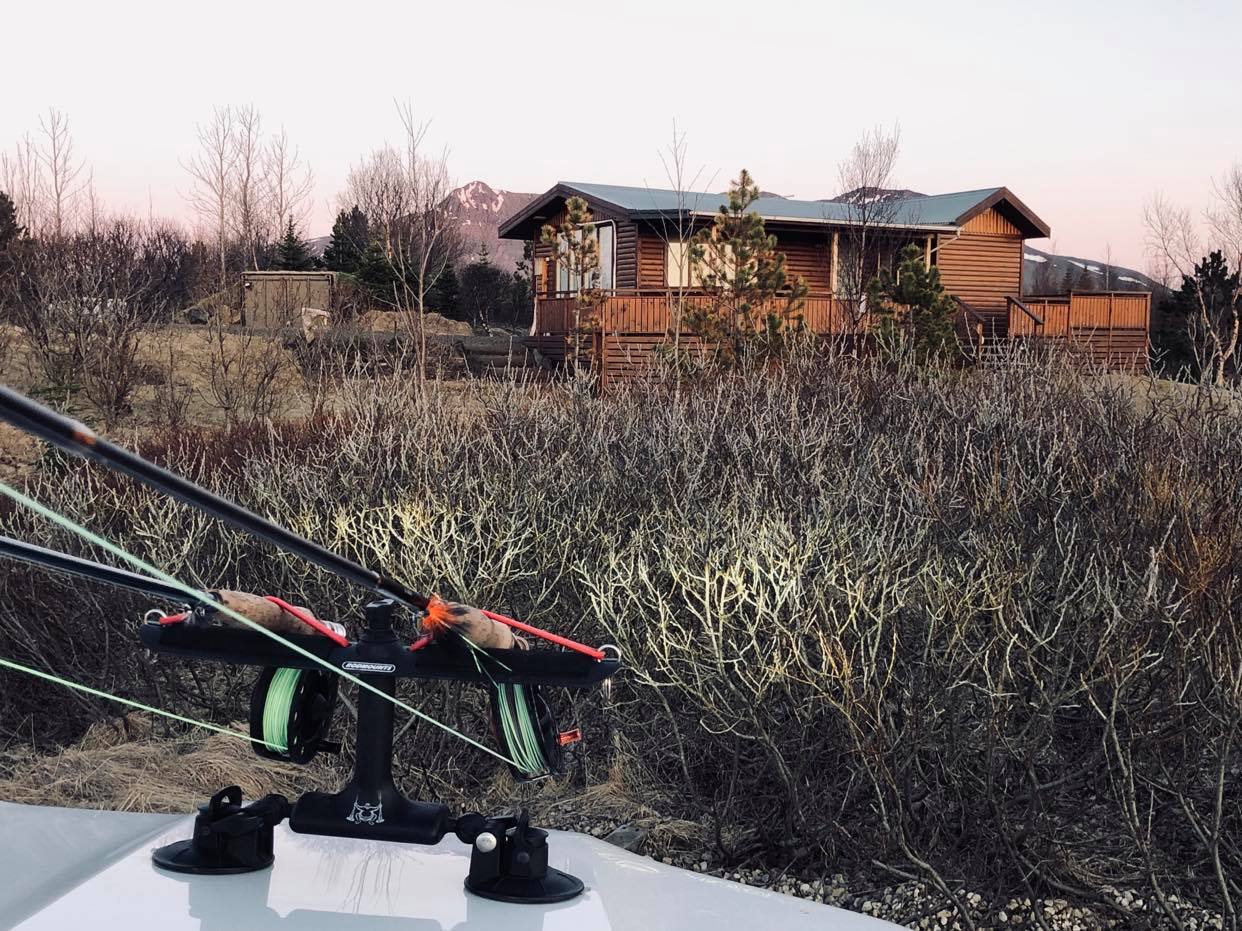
x=971 y=626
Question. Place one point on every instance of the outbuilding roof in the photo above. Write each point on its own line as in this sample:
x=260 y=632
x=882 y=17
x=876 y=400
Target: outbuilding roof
x=937 y=212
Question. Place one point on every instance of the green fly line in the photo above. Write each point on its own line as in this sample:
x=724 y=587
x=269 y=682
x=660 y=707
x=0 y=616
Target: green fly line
x=194 y=594
x=276 y=707
x=519 y=729
x=67 y=683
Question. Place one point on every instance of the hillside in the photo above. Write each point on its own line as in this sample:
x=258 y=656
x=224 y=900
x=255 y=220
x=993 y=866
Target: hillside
x=1045 y=273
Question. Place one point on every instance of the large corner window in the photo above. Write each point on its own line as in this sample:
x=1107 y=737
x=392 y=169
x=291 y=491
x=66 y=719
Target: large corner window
x=605 y=235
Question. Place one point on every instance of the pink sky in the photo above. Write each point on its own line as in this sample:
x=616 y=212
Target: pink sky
x=1082 y=109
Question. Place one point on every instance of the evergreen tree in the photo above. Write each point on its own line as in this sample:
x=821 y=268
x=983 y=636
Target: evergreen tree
x=1067 y=282
x=10 y=234
x=913 y=305
x=575 y=248
x=292 y=252
x=350 y=236
x=1205 y=309
x=375 y=273
x=750 y=296
x=521 y=303
x=485 y=290
x=442 y=296
x=10 y=231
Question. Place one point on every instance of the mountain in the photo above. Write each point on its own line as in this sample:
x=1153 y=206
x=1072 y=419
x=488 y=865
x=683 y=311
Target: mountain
x=1044 y=273
x=861 y=196
x=480 y=209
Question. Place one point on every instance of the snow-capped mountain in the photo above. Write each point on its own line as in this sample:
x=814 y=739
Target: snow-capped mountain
x=480 y=208
x=1045 y=273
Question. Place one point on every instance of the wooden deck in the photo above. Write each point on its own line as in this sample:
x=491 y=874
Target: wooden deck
x=1111 y=328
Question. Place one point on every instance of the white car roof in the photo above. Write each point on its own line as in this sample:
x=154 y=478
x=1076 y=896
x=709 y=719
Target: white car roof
x=69 y=868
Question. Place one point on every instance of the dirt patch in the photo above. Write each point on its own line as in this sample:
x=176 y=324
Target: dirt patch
x=391 y=321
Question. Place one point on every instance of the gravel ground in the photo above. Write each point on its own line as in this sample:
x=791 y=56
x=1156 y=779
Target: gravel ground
x=908 y=904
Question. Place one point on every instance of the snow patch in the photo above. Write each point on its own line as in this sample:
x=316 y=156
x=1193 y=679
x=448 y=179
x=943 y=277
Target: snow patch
x=1033 y=258
x=1129 y=279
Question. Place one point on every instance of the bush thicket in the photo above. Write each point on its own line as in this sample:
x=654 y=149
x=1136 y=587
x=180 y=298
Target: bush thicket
x=975 y=626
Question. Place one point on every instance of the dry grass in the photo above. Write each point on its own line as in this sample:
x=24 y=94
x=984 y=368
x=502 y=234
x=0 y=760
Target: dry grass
x=119 y=765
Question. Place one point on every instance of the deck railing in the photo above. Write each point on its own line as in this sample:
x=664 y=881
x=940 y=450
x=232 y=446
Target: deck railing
x=1110 y=326
x=1062 y=316
x=642 y=312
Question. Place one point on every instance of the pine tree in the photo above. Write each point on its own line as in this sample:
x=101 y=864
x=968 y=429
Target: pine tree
x=10 y=235
x=10 y=231
x=913 y=305
x=1067 y=282
x=442 y=297
x=576 y=248
x=484 y=290
x=375 y=273
x=292 y=252
x=751 y=299
x=1204 y=312
x=350 y=236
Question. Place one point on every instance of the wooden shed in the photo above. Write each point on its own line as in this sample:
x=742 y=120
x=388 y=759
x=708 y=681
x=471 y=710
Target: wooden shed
x=274 y=300
x=975 y=238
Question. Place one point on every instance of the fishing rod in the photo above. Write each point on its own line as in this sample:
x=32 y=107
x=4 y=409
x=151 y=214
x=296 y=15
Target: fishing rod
x=77 y=439
x=85 y=569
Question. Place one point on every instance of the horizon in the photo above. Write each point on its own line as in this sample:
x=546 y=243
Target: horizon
x=1085 y=143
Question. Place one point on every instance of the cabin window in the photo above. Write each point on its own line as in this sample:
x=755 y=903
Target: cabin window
x=681 y=271
x=605 y=235
x=677 y=271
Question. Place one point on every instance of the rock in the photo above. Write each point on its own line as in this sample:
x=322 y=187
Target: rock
x=627 y=837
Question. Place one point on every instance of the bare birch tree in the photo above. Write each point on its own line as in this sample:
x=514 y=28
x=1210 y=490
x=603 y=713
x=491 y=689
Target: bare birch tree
x=21 y=176
x=1225 y=218
x=287 y=183
x=1174 y=242
x=403 y=191
x=866 y=180
x=376 y=187
x=212 y=169
x=248 y=182
x=426 y=244
x=676 y=227
x=62 y=169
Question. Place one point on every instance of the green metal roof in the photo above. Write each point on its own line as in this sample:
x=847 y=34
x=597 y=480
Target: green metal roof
x=937 y=211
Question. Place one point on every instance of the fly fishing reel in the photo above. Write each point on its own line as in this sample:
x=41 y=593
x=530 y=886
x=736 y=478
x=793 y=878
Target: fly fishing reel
x=291 y=712
x=523 y=725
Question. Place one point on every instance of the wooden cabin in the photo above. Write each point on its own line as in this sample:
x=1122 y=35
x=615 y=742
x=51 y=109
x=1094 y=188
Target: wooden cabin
x=974 y=237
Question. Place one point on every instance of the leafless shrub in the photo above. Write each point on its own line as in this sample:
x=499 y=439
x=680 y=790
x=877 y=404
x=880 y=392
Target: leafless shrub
x=246 y=376
x=82 y=301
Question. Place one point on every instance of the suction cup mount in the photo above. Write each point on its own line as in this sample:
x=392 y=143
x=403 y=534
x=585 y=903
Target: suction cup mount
x=228 y=838
x=509 y=863
x=509 y=858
